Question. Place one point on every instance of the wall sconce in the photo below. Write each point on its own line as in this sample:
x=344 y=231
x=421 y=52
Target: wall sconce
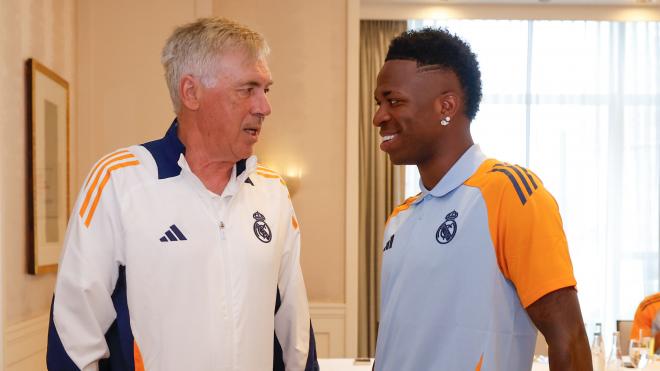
x=292 y=178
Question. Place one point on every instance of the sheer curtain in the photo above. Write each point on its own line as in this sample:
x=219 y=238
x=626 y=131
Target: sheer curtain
x=578 y=102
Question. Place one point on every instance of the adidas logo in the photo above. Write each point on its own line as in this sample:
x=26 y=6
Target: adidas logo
x=173 y=234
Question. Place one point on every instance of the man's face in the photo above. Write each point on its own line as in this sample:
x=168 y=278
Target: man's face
x=409 y=111
x=233 y=108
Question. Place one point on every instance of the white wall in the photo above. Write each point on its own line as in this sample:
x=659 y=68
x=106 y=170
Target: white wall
x=45 y=30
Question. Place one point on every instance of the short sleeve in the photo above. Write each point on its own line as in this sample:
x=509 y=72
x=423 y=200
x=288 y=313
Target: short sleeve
x=528 y=234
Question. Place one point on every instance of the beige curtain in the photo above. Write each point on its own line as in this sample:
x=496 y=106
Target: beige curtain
x=381 y=183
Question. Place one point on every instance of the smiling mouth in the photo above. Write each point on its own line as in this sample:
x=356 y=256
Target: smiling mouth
x=387 y=138
x=251 y=131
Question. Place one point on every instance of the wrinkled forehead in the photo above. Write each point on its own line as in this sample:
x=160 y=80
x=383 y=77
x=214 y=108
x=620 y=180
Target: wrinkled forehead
x=240 y=63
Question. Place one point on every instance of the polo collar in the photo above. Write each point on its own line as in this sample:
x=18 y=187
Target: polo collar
x=461 y=171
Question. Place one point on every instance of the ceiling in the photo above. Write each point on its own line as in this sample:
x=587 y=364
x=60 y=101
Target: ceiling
x=562 y=2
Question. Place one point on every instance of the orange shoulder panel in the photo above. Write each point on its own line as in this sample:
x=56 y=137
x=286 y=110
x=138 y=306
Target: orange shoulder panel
x=526 y=229
x=405 y=205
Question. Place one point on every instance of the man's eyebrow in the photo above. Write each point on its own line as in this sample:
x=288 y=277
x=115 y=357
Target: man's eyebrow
x=254 y=83
x=385 y=94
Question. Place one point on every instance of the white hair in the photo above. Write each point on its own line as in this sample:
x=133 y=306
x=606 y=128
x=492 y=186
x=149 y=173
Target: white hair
x=192 y=49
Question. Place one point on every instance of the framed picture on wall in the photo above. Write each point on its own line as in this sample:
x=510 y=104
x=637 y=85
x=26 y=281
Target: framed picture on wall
x=48 y=157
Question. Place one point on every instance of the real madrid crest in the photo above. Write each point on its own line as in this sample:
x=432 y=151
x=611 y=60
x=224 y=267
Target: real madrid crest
x=261 y=229
x=447 y=230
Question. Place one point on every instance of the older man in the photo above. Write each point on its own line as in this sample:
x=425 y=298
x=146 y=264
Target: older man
x=478 y=260
x=180 y=250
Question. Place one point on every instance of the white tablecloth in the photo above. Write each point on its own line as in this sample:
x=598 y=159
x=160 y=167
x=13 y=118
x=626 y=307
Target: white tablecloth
x=342 y=364
x=346 y=364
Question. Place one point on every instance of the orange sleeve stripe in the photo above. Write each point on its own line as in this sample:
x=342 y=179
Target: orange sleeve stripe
x=294 y=222
x=268 y=175
x=405 y=205
x=91 y=173
x=91 y=189
x=137 y=357
x=481 y=361
x=265 y=169
x=102 y=185
x=272 y=176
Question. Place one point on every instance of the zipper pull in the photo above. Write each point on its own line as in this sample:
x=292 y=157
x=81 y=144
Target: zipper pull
x=222 y=230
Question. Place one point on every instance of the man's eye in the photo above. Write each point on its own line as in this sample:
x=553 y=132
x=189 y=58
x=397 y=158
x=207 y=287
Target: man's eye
x=266 y=90
x=393 y=102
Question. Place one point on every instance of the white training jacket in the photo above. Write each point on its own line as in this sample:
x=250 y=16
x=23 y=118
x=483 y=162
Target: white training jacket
x=159 y=274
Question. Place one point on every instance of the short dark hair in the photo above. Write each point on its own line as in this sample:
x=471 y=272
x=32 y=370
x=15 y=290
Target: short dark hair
x=430 y=46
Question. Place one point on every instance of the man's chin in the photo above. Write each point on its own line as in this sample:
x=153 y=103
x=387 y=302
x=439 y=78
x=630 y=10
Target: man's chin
x=399 y=160
x=246 y=153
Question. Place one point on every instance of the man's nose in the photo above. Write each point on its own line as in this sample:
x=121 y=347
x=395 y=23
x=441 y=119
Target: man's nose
x=262 y=105
x=381 y=116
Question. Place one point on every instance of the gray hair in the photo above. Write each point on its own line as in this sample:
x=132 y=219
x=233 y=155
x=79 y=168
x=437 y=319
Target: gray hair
x=193 y=47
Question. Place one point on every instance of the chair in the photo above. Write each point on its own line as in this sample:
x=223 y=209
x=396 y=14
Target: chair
x=624 y=327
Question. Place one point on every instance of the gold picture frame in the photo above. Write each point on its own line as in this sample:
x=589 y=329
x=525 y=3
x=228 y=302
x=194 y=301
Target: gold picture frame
x=48 y=158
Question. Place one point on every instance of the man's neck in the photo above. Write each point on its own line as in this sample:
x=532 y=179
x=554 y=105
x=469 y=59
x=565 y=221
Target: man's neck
x=432 y=171
x=215 y=175
x=213 y=172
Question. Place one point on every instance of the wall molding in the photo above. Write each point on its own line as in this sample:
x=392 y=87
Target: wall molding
x=26 y=340
x=329 y=321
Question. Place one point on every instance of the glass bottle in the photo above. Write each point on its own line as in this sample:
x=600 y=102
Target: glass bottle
x=615 y=360
x=598 y=350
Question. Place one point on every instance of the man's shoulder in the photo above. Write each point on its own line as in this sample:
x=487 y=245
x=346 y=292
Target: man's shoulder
x=125 y=164
x=499 y=180
x=270 y=181
x=651 y=301
x=402 y=208
x=109 y=179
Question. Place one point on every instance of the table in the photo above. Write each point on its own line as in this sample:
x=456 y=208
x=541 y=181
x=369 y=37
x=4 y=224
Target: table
x=347 y=364
x=342 y=364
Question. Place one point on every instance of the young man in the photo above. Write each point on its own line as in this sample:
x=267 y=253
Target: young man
x=479 y=257
x=180 y=250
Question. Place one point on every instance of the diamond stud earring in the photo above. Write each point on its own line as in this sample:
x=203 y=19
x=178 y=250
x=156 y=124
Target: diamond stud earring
x=445 y=121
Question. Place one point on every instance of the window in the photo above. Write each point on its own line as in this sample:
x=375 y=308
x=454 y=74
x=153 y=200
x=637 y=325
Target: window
x=578 y=102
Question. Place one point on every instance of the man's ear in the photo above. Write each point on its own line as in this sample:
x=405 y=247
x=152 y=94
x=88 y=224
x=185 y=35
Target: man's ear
x=189 y=92
x=446 y=105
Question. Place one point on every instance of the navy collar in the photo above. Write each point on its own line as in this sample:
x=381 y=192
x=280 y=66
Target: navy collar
x=167 y=151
